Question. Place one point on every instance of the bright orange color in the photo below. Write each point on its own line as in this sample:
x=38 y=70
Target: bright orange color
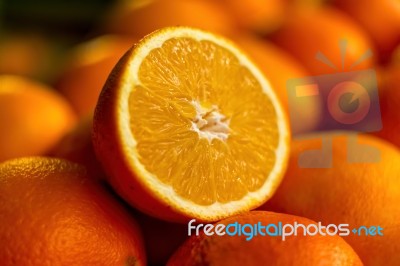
x=359 y=194
x=390 y=102
x=87 y=69
x=77 y=147
x=33 y=118
x=265 y=250
x=52 y=213
x=184 y=130
x=279 y=67
x=257 y=15
x=380 y=18
x=142 y=17
x=308 y=31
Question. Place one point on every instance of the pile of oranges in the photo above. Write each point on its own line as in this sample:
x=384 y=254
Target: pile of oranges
x=178 y=110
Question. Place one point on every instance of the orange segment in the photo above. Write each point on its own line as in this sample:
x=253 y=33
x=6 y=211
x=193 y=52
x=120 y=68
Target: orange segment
x=198 y=125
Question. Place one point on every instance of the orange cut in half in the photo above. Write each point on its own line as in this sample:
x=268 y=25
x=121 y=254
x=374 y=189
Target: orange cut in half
x=187 y=127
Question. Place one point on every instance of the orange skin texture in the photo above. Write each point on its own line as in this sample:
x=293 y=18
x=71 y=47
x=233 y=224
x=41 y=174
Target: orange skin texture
x=129 y=19
x=76 y=146
x=54 y=214
x=380 y=18
x=81 y=80
x=390 y=102
x=308 y=31
x=265 y=250
x=358 y=194
x=33 y=117
x=109 y=151
x=278 y=67
x=257 y=15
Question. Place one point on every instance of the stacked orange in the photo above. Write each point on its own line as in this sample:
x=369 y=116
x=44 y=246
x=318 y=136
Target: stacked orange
x=190 y=125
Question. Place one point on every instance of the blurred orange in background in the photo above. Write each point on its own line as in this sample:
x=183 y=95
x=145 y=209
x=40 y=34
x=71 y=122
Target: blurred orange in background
x=380 y=18
x=258 y=16
x=87 y=69
x=390 y=103
x=308 y=31
x=26 y=54
x=139 y=18
x=76 y=146
x=396 y=55
x=33 y=117
x=279 y=66
x=307 y=3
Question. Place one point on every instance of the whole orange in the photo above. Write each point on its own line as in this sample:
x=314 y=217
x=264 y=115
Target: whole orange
x=33 y=117
x=264 y=250
x=53 y=214
x=360 y=189
x=309 y=31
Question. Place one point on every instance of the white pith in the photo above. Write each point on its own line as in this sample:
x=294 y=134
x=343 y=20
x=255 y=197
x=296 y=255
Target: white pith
x=210 y=124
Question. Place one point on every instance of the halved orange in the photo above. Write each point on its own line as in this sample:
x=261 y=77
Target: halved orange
x=187 y=127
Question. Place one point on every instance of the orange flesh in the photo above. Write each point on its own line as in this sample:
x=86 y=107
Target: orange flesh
x=202 y=123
